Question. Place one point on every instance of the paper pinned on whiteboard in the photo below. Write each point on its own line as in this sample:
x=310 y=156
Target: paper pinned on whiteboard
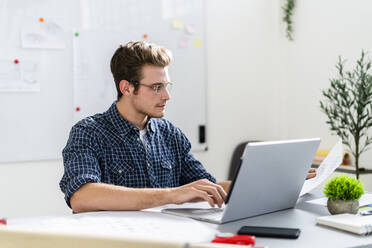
x=21 y=76
x=9 y=71
x=175 y=9
x=326 y=168
x=47 y=35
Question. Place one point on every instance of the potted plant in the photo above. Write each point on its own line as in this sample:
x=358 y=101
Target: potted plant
x=348 y=106
x=287 y=18
x=343 y=194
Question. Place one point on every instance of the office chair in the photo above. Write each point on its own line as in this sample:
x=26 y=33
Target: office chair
x=236 y=158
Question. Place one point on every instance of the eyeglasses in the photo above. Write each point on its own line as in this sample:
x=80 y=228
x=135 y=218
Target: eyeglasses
x=156 y=87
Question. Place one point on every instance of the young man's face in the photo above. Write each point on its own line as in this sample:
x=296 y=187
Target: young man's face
x=147 y=101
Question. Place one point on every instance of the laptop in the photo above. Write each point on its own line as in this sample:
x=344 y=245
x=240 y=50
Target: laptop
x=269 y=179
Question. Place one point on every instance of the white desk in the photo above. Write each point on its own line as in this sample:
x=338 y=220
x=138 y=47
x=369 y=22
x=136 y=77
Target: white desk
x=303 y=217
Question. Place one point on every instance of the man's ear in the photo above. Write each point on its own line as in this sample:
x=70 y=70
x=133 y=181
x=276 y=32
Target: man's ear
x=124 y=87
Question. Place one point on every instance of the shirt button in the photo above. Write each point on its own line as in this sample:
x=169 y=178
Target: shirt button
x=138 y=139
x=170 y=167
x=148 y=164
x=120 y=171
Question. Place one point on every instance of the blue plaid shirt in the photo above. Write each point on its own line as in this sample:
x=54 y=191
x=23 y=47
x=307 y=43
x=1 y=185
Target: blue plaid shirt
x=107 y=148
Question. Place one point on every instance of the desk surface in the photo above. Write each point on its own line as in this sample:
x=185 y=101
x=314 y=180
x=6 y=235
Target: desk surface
x=302 y=216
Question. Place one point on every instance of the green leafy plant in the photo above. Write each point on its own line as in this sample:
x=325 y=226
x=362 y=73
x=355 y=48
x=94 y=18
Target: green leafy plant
x=344 y=188
x=288 y=12
x=348 y=106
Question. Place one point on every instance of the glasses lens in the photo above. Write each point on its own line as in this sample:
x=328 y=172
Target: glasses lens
x=168 y=87
x=158 y=88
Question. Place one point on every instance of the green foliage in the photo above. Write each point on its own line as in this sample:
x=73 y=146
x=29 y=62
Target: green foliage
x=344 y=188
x=348 y=106
x=288 y=12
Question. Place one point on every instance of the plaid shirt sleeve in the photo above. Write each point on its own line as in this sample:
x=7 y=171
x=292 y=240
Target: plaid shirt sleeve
x=80 y=160
x=192 y=169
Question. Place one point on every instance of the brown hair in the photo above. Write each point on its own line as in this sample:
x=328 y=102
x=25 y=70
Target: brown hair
x=128 y=60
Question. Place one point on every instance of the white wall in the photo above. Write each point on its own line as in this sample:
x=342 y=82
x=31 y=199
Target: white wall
x=243 y=78
x=323 y=31
x=260 y=86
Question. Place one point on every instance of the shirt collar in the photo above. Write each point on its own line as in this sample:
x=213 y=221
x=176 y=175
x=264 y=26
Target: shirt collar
x=151 y=125
x=122 y=125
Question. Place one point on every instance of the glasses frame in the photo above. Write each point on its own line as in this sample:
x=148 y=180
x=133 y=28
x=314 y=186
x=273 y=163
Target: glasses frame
x=156 y=87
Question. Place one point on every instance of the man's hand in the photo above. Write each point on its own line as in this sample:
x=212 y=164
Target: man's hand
x=201 y=190
x=311 y=173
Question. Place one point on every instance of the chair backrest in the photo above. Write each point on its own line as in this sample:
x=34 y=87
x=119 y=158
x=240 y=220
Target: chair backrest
x=236 y=158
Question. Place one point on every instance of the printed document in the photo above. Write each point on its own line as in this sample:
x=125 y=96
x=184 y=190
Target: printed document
x=326 y=168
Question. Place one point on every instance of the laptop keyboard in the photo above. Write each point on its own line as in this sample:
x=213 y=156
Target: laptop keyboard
x=214 y=214
x=209 y=214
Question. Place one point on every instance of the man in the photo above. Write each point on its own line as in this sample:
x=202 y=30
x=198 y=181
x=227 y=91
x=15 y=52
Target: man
x=129 y=158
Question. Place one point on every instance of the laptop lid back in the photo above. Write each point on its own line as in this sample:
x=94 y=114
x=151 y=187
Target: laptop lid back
x=270 y=177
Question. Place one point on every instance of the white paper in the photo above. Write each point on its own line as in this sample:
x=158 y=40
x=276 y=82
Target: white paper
x=326 y=168
x=94 y=87
x=19 y=77
x=320 y=201
x=47 y=35
x=124 y=224
x=9 y=71
x=366 y=199
x=109 y=14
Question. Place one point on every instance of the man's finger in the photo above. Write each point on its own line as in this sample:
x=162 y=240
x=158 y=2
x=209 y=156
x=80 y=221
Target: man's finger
x=220 y=189
x=204 y=195
x=222 y=192
x=213 y=192
x=310 y=175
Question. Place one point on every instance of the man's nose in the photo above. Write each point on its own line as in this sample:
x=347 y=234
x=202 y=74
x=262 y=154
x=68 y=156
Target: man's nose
x=166 y=95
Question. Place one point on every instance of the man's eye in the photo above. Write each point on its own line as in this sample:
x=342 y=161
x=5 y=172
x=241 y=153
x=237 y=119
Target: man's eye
x=157 y=88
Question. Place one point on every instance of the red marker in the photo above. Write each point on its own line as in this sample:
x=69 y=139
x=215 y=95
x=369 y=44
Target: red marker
x=77 y=109
x=41 y=19
x=235 y=239
x=16 y=61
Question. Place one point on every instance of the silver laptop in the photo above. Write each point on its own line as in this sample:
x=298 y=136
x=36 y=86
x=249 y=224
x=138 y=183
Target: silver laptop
x=269 y=179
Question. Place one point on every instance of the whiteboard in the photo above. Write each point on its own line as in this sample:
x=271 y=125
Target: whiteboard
x=73 y=68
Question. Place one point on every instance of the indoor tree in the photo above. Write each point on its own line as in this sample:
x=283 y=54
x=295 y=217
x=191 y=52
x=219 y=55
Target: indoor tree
x=348 y=106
